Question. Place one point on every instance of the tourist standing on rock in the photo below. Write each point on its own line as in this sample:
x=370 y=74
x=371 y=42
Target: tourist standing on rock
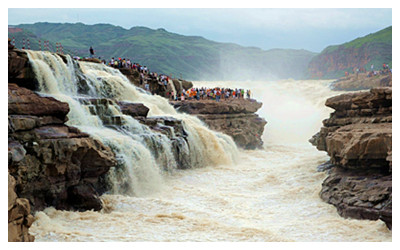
x=227 y=94
x=218 y=95
x=91 y=52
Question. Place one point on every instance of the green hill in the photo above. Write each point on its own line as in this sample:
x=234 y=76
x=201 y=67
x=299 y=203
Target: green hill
x=334 y=61
x=21 y=37
x=189 y=57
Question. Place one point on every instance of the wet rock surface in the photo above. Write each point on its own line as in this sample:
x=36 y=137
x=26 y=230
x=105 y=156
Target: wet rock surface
x=133 y=109
x=236 y=118
x=171 y=127
x=53 y=164
x=358 y=138
x=19 y=68
x=155 y=86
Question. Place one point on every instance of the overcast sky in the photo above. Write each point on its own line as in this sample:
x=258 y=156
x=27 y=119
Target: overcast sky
x=310 y=29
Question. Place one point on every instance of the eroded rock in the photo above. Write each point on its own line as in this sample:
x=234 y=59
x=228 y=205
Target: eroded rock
x=19 y=217
x=236 y=118
x=358 y=138
x=49 y=160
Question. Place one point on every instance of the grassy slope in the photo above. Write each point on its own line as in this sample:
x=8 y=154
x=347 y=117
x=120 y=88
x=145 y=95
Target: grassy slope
x=377 y=45
x=381 y=37
x=192 y=57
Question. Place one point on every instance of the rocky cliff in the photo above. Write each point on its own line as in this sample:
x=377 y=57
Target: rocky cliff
x=49 y=163
x=358 y=138
x=58 y=165
x=334 y=61
x=53 y=164
x=236 y=118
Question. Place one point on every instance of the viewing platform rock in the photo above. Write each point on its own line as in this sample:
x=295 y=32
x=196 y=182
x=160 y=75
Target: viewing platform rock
x=234 y=117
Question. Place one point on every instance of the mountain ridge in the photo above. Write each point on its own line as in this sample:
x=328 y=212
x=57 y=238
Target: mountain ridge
x=374 y=48
x=189 y=57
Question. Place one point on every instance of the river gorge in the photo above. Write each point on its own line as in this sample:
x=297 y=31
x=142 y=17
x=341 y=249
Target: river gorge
x=167 y=176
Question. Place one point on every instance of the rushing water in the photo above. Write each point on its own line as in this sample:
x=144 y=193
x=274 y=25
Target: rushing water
x=228 y=195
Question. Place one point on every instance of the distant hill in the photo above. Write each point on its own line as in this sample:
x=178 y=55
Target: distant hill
x=189 y=57
x=334 y=61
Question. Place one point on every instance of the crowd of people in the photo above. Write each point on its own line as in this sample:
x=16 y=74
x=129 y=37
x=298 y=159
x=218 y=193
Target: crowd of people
x=373 y=72
x=119 y=63
x=202 y=93
x=384 y=71
x=217 y=94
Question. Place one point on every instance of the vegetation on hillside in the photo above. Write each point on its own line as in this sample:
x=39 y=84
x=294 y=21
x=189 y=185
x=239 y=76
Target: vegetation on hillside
x=188 y=57
x=334 y=61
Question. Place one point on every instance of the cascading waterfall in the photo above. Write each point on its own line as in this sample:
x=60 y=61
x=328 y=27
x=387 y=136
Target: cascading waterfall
x=141 y=153
x=270 y=194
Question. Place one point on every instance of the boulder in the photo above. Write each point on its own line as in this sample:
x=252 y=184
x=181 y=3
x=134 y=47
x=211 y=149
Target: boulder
x=186 y=84
x=133 y=109
x=132 y=75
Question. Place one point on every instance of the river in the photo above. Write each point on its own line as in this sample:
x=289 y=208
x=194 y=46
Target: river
x=264 y=195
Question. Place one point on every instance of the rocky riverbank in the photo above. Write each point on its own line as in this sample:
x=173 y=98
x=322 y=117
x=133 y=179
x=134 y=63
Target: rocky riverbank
x=53 y=164
x=234 y=117
x=361 y=81
x=49 y=163
x=358 y=138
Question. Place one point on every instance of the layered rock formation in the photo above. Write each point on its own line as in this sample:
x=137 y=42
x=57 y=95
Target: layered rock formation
x=358 y=138
x=236 y=118
x=168 y=126
x=53 y=164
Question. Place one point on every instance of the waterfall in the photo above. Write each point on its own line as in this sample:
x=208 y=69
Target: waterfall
x=143 y=155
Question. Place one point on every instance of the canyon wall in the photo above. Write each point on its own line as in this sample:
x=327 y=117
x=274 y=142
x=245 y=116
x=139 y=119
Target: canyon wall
x=358 y=138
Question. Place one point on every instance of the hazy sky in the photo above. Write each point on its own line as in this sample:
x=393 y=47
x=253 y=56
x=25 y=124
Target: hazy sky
x=310 y=29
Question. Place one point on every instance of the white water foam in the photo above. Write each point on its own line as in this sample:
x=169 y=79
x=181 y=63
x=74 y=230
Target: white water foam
x=267 y=195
